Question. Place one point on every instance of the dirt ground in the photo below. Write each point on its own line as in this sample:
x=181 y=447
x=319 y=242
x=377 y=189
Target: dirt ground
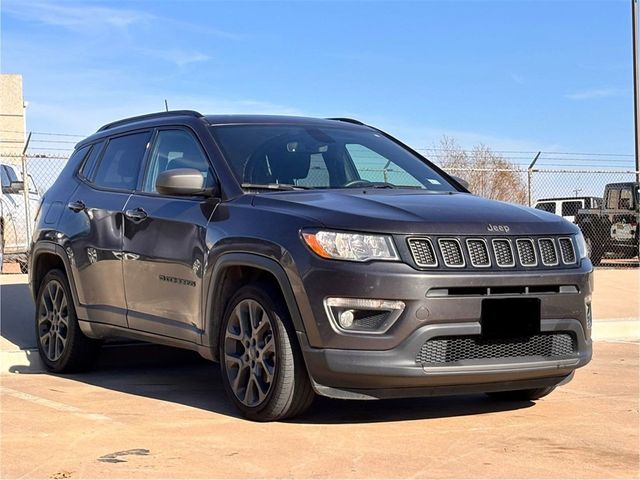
x=162 y=414
x=154 y=412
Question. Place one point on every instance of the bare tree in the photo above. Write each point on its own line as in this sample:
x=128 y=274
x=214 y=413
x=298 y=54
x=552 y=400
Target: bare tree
x=488 y=173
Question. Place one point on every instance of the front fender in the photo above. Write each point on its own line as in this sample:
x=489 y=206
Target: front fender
x=214 y=305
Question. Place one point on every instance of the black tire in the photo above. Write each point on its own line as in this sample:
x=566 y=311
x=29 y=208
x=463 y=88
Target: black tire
x=595 y=250
x=521 y=395
x=78 y=352
x=289 y=389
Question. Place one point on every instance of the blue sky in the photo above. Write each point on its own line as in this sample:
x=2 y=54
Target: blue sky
x=552 y=76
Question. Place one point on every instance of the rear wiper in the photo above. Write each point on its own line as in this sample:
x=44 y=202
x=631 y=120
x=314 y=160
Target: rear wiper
x=274 y=186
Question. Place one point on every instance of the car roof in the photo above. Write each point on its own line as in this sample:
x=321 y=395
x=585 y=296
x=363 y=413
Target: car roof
x=164 y=118
x=235 y=119
x=560 y=199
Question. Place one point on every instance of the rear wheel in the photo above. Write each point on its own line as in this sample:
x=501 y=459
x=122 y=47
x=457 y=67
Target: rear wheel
x=61 y=344
x=262 y=367
x=515 y=395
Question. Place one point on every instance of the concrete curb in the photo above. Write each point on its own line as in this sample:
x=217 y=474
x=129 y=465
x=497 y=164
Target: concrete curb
x=616 y=329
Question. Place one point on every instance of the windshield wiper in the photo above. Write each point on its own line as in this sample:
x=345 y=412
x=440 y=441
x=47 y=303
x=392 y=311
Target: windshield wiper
x=274 y=186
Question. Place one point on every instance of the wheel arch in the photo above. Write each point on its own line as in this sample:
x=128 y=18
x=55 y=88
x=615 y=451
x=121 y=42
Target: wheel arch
x=235 y=269
x=46 y=256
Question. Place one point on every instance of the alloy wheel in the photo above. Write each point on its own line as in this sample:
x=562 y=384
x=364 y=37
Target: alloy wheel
x=53 y=320
x=250 y=352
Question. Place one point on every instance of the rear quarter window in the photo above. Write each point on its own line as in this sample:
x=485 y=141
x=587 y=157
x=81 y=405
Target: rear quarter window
x=86 y=170
x=547 y=207
x=119 y=167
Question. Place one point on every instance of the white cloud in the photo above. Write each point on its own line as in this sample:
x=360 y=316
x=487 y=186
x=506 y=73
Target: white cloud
x=78 y=17
x=176 y=56
x=592 y=93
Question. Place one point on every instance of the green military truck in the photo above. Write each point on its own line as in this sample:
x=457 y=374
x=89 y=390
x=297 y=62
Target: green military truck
x=613 y=227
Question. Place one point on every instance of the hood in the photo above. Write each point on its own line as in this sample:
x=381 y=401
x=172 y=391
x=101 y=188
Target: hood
x=414 y=212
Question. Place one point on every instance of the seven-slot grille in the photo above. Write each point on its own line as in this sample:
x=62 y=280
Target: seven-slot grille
x=442 y=351
x=422 y=252
x=486 y=252
x=503 y=252
x=478 y=252
x=451 y=252
x=548 y=252
x=526 y=252
x=566 y=249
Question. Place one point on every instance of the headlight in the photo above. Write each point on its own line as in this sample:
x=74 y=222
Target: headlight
x=582 y=246
x=356 y=247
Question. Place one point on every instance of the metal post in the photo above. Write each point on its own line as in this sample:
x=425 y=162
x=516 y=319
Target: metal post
x=530 y=175
x=25 y=191
x=636 y=83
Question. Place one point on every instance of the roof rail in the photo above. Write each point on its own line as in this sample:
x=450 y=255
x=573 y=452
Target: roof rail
x=348 y=120
x=149 y=116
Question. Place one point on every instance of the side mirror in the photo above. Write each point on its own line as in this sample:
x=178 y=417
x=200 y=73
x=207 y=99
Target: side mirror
x=461 y=181
x=181 y=181
x=17 y=186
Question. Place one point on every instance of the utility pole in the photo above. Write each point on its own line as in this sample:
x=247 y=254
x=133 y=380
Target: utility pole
x=636 y=83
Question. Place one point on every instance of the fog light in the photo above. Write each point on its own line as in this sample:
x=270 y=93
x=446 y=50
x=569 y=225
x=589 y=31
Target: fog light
x=589 y=316
x=346 y=319
x=363 y=315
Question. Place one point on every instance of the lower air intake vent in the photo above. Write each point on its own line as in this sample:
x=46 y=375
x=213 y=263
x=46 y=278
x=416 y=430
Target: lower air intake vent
x=448 y=350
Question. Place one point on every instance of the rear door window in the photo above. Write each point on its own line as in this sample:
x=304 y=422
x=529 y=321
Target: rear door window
x=120 y=164
x=570 y=209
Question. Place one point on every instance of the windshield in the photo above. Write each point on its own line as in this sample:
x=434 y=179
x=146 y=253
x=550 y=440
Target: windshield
x=294 y=156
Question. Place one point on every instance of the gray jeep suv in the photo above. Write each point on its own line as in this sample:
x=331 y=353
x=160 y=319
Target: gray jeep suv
x=306 y=256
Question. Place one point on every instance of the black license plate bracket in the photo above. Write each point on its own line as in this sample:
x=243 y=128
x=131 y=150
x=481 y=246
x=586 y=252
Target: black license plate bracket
x=510 y=317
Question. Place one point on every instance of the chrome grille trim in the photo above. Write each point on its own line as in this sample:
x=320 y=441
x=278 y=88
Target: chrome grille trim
x=444 y=252
x=497 y=255
x=543 y=256
x=473 y=255
x=415 y=246
x=568 y=256
x=522 y=253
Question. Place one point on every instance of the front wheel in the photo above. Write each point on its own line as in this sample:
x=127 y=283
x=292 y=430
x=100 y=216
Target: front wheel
x=61 y=344
x=262 y=367
x=522 y=395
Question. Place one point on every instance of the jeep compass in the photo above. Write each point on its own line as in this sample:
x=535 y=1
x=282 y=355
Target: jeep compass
x=308 y=257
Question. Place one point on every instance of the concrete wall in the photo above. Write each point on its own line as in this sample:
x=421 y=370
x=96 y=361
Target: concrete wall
x=12 y=118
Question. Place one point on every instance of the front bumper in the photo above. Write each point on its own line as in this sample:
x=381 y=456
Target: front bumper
x=349 y=365
x=396 y=373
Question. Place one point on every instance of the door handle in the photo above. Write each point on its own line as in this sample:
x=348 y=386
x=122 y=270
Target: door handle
x=76 y=206
x=135 y=214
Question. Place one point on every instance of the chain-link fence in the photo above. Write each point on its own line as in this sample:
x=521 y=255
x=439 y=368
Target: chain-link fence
x=603 y=202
